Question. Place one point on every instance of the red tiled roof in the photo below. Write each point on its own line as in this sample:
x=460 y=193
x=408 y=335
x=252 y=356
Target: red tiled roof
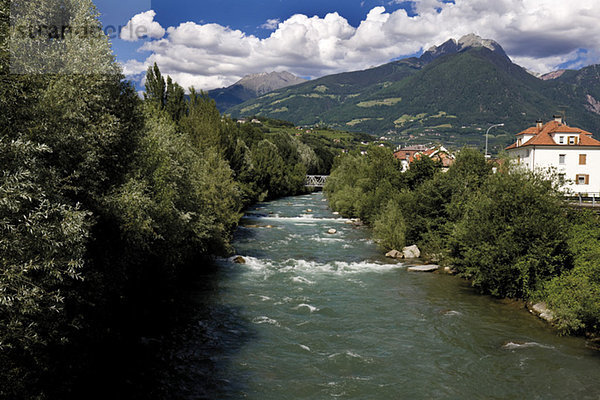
x=553 y=127
x=588 y=141
x=542 y=136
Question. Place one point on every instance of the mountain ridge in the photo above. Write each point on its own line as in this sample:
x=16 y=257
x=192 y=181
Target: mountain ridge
x=451 y=93
x=251 y=86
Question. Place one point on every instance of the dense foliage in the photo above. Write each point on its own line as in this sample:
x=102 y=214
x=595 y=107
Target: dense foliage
x=106 y=199
x=509 y=232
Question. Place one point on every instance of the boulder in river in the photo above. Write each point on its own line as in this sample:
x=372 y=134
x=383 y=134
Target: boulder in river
x=331 y=231
x=411 y=251
x=239 y=260
x=394 y=254
x=423 y=268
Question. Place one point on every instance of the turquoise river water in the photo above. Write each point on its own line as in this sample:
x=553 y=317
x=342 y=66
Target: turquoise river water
x=313 y=315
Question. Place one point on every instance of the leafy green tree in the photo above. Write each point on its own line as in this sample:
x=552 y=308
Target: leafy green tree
x=512 y=236
x=42 y=258
x=421 y=170
x=203 y=122
x=176 y=204
x=69 y=127
x=268 y=169
x=361 y=185
x=389 y=227
x=438 y=203
x=574 y=296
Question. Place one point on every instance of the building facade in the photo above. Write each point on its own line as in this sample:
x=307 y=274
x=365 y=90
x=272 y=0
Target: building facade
x=407 y=155
x=570 y=151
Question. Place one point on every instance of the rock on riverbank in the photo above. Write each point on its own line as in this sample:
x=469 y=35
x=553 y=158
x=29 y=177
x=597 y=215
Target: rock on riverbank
x=407 y=252
x=423 y=268
x=542 y=311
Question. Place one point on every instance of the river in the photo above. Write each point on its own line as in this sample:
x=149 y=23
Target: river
x=312 y=315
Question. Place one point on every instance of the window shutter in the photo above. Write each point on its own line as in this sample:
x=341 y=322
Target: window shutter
x=587 y=179
x=582 y=159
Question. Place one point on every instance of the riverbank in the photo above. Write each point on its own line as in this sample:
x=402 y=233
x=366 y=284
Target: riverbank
x=509 y=233
x=316 y=315
x=539 y=309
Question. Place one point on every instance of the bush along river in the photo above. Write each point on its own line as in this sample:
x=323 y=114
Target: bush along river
x=314 y=315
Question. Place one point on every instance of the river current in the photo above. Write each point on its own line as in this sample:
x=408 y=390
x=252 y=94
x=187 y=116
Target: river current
x=314 y=315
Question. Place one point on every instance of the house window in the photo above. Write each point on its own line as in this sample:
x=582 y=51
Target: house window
x=572 y=139
x=561 y=179
x=582 y=179
x=561 y=140
x=582 y=159
x=561 y=159
x=519 y=142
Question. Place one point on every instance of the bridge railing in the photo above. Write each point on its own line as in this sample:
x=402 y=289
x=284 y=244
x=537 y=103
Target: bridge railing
x=585 y=199
x=315 y=180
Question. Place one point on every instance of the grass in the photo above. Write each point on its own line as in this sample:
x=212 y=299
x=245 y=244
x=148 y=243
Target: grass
x=384 y=102
x=357 y=121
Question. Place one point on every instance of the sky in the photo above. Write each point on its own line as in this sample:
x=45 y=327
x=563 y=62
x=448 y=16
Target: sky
x=214 y=43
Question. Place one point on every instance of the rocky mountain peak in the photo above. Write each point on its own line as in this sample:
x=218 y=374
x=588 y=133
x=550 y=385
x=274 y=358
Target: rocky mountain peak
x=466 y=42
x=473 y=40
x=268 y=81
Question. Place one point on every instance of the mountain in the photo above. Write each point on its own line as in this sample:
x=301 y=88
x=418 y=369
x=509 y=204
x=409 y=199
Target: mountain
x=252 y=86
x=464 y=43
x=451 y=94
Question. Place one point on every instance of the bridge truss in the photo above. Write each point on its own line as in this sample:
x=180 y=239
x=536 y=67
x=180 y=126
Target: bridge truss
x=317 y=181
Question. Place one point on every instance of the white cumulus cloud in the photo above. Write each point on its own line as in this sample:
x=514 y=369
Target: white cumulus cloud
x=271 y=24
x=537 y=34
x=142 y=25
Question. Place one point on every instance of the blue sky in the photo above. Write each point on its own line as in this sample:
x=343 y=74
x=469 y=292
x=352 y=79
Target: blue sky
x=213 y=43
x=247 y=16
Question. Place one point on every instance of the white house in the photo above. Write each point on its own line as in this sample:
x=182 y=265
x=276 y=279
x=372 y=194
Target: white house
x=571 y=151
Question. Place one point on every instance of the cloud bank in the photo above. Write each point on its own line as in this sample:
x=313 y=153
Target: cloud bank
x=537 y=34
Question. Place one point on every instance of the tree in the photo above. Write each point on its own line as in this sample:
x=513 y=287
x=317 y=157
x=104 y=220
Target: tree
x=203 y=122
x=389 y=227
x=268 y=169
x=155 y=87
x=438 y=203
x=68 y=129
x=421 y=170
x=512 y=235
x=175 y=100
x=574 y=296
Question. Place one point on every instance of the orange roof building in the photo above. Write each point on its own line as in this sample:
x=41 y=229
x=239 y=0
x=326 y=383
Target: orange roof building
x=407 y=155
x=572 y=152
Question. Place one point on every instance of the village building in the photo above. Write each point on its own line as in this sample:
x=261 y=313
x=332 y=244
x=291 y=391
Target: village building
x=408 y=154
x=571 y=151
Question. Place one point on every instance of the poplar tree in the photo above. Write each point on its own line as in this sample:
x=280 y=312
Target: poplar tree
x=155 y=87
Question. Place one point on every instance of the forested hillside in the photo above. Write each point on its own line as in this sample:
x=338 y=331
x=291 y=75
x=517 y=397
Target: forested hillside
x=451 y=94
